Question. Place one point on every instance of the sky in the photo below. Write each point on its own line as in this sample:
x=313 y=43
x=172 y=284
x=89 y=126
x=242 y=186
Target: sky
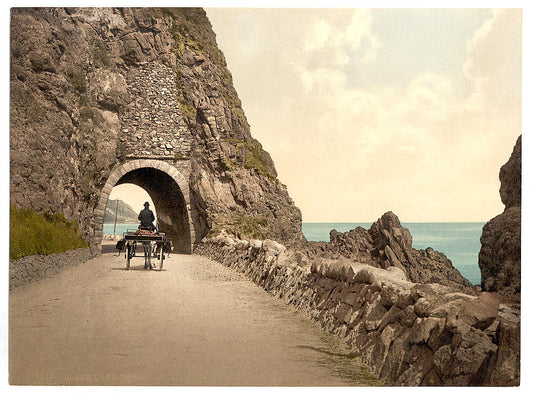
x=369 y=110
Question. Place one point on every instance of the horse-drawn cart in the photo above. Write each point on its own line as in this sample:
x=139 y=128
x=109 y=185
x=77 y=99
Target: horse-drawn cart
x=154 y=244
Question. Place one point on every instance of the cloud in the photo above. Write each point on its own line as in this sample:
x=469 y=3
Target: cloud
x=359 y=28
x=495 y=61
x=319 y=37
x=425 y=142
x=340 y=39
x=429 y=148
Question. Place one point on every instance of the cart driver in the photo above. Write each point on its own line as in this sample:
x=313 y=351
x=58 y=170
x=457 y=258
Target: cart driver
x=147 y=218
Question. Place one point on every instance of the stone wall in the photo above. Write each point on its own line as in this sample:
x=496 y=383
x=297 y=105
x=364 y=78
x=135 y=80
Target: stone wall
x=408 y=333
x=153 y=124
x=32 y=268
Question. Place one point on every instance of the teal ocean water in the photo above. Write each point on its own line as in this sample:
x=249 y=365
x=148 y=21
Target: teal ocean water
x=458 y=241
x=120 y=228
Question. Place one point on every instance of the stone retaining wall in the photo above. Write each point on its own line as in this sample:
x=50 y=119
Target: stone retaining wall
x=32 y=268
x=408 y=333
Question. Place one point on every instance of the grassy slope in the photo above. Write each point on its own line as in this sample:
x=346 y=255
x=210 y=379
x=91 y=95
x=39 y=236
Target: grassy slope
x=32 y=233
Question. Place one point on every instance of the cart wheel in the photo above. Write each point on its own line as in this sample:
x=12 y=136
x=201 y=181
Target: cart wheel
x=128 y=256
x=161 y=256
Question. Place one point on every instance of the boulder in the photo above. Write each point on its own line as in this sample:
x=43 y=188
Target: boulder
x=511 y=178
x=504 y=367
x=481 y=312
x=472 y=352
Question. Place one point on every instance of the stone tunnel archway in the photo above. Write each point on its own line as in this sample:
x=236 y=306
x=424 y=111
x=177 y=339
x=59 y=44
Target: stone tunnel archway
x=169 y=190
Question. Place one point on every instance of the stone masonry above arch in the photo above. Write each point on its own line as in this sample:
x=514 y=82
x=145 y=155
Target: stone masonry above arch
x=153 y=124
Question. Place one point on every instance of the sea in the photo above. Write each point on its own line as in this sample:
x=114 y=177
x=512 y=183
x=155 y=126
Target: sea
x=458 y=241
x=120 y=228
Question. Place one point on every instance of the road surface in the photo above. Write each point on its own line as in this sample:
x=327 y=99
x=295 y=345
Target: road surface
x=195 y=323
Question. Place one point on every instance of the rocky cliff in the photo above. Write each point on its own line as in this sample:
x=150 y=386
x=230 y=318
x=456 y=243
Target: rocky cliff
x=94 y=88
x=500 y=254
x=387 y=243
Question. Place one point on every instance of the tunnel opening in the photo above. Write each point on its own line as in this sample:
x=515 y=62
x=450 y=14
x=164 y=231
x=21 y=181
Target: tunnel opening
x=167 y=185
x=123 y=206
x=169 y=201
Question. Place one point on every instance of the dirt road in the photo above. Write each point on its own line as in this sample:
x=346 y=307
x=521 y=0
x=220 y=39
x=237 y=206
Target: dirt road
x=194 y=323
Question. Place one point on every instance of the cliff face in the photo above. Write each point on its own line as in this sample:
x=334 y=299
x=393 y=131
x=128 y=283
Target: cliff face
x=93 y=88
x=511 y=178
x=500 y=257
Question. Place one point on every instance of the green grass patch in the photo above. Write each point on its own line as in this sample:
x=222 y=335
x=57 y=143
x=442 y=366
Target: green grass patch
x=338 y=358
x=32 y=233
x=254 y=157
x=242 y=226
x=191 y=28
x=185 y=105
x=179 y=156
x=230 y=164
x=184 y=38
x=77 y=79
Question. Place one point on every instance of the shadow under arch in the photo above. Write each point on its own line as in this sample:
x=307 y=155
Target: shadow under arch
x=169 y=191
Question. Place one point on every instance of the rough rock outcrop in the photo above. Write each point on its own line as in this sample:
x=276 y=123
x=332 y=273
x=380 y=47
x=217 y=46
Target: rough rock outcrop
x=500 y=254
x=408 y=333
x=387 y=244
x=93 y=88
x=511 y=178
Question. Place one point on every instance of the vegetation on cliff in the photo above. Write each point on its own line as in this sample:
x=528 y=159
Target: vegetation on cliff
x=241 y=225
x=253 y=157
x=192 y=31
x=32 y=233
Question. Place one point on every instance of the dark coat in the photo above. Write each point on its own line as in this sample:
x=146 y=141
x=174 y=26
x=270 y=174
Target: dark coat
x=146 y=217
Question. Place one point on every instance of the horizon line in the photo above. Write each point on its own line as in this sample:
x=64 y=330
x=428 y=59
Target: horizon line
x=360 y=222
